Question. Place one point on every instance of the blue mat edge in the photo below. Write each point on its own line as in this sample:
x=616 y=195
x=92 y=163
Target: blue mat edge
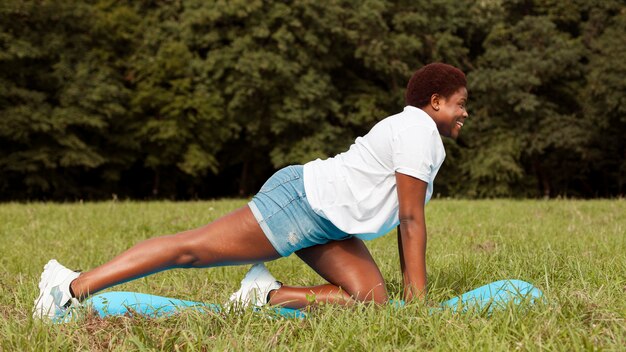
x=497 y=294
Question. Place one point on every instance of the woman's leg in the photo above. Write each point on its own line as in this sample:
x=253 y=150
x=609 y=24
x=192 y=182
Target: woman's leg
x=236 y=238
x=350 y=270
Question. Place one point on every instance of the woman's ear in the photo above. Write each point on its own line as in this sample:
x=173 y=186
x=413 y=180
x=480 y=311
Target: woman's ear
x=435 y=99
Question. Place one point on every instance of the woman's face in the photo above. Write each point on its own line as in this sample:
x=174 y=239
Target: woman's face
x=450 y=113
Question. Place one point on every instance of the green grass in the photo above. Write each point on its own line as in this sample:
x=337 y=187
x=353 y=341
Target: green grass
x=575 y=251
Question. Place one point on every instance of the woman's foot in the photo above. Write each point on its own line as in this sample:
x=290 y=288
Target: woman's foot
x=255 y=288
x=54 y=291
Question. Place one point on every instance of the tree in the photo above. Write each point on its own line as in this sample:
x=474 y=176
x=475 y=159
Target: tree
x=47 y=119
x=526 y=117
x=604 y=97
x=192 y=98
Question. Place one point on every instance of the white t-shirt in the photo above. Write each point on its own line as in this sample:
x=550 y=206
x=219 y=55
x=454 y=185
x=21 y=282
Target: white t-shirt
x=356 y=190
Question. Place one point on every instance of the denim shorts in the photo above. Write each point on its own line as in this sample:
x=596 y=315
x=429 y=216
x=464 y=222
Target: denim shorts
x=285 y=215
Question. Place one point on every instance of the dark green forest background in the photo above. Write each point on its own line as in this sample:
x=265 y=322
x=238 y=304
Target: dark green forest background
x=195 y=99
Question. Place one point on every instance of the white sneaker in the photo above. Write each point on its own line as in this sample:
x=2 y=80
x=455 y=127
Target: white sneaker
x=54 y=291
x=255 y=287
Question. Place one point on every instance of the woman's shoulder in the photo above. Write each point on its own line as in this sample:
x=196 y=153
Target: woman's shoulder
x=411 y=121
x=408 y=127
x=410 y=117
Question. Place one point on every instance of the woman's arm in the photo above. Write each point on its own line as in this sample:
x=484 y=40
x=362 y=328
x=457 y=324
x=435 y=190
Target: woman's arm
x=412 y=235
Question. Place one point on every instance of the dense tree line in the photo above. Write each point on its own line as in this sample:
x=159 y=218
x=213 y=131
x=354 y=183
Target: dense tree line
x=194 y=98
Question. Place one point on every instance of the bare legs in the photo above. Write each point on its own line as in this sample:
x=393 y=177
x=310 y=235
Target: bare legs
x=236 y=238
x=349 y=268
x=300 y=297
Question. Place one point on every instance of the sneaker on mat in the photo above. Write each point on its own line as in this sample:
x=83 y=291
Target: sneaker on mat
x=255 y=288
x=54 y=291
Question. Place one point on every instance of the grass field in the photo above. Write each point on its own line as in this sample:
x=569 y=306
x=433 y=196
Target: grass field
x=575 y=251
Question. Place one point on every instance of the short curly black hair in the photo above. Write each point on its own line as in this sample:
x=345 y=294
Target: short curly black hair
x=439 y=78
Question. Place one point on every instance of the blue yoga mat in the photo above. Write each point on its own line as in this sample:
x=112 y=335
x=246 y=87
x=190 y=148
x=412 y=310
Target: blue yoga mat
x=495 y=295
x=122 y=303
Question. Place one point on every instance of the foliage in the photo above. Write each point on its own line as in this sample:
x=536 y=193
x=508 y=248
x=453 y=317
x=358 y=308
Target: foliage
x=194 y=98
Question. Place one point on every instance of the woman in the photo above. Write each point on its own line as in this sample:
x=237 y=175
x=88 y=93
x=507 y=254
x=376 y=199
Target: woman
x=321 y=211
